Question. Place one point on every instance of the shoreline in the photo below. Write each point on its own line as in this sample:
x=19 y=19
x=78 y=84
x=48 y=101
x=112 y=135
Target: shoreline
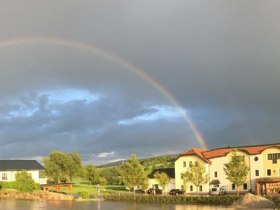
x=201 y=200
x=37 y=195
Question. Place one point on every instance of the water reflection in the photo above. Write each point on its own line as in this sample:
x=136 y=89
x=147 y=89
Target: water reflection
x=203 y=207
x=98 y=205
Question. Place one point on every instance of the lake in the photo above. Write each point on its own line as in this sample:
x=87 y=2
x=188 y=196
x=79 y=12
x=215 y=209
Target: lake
x=97 y=205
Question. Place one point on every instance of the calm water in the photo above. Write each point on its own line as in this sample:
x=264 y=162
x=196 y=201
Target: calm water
x=96 y=205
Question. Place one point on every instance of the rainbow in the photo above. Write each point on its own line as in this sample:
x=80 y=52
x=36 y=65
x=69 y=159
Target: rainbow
x=137 y=71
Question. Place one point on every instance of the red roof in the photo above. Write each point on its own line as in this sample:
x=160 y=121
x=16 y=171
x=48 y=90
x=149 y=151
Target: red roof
x=216 y=152
x=257 y=149
x=195 y=151
x=208 y=154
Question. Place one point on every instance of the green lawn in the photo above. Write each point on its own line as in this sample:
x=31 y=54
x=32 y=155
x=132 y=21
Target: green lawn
x=92 y=190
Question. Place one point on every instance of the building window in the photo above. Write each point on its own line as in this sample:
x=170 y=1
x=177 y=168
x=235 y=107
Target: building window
x=257 y=173
x=215 y=174
x=200 y=188
x=4 y=176
x=268 y=172
x=184 y=164
x=256 y=159
x=274 y=157
x=191 y=188
x=233 y=186
x=190 y=163
x=269 y=156
x=245 y=186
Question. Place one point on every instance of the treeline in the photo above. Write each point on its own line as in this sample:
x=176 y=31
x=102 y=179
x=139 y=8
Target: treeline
x=63 y=167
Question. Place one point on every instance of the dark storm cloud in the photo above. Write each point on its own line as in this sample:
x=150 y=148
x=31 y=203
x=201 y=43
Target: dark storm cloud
x=219 y=59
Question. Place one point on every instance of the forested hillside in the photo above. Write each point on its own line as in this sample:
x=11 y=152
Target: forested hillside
x=162 y=161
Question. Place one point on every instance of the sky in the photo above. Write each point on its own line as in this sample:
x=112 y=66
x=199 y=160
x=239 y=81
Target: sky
x=111 y=78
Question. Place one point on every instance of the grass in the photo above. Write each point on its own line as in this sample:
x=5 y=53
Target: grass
x=92 y=190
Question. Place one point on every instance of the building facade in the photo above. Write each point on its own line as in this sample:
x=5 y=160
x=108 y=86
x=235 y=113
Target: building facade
x=9 y=169
x=263 y=161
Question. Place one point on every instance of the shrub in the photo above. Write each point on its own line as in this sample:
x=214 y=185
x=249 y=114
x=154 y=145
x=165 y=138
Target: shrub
x=212 y=200
x=7 y=185
x=24 y=182
x=275 y=199
x=84 y=194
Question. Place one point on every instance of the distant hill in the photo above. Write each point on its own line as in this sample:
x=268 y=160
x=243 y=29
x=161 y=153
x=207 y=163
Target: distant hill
x=162 y=161
x=112 y=164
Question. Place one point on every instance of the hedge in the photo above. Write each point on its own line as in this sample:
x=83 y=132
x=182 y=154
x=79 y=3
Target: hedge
x=212 y=200
x=275 y=199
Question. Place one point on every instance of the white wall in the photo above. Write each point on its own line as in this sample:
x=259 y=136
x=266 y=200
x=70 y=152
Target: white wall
x=179 y=169
x=11 y=176
x=217 y=164
x=255 y=165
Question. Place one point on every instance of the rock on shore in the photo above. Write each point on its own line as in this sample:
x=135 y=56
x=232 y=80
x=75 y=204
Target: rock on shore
x=41 y=195
x=254 y=202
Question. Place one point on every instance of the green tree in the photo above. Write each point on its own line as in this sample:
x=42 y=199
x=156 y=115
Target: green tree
x=236 y=170
x=163 y=179
x=73 y=165
x=24 y=182
x=111 y=174
x=102 y=181
x=90 y=173
x=54 y=165
x=63 y=166
x=195 y=174
x=132 y=173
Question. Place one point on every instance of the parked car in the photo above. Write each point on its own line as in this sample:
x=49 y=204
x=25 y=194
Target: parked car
x=218 y=191
x=176 y=192
x=154 y=191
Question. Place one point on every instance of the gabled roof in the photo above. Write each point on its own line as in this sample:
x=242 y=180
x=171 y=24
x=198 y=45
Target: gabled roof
x=197 y=152
x=18 y=165
x=216 y=152
x=169 y=171
x=251 y=150
x=220 y=152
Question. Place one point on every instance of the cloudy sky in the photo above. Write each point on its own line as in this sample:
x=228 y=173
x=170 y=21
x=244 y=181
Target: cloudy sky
x=110 y=78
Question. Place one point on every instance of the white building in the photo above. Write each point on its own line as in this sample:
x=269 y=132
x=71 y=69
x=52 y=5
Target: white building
x=9 y=169
x=263 y=161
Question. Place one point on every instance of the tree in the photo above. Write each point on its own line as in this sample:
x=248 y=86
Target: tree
x=132 y=173
x=236 y=170
x=195 y=174
x=62 y=166
x=162 y=178
x=73 y=165
x=111 y=174
x=90 y=173
x=24 y=182
x=54 y=165
x=102 y=181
